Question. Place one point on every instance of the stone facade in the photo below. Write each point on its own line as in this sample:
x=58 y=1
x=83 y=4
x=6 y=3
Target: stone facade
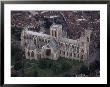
x=39 y=45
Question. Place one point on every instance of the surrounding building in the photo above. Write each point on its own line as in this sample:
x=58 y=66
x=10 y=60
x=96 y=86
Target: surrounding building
x=55 y=45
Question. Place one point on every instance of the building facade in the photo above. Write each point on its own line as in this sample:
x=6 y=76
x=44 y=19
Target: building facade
x=53 y=46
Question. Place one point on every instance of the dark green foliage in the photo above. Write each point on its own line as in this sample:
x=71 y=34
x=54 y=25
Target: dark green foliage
x=65 y=66
x=47 y=67
x=84 y=70
x=47 y=23
x=94 y=66
x=56 y=68
x=67 y=75
x=35 y=73
x=42 y=64
x=18 y=66
x=17 y=57
x=16 y=32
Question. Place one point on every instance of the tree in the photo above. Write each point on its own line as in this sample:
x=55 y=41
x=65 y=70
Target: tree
x=65 y=66
x=84 y=70
x=94 y=66
x=35 y=73
x=17 y=66
x=56 y=68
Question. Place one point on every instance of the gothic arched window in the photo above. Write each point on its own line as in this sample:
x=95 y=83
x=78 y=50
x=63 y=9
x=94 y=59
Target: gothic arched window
x=25 y=44
x=82 y=50
x=81 y=56
x=78 y=55
x=77 y=49
x=63 y=52
x=87 y=39
x=71 y=54
x=48 y=52
x=66 y=45
x=55 y=34
x=73 y=46
x=35 y=41
x=28 y=53
x=52 y=32
x=74 y=55
x=48 y=41
x=32 y=54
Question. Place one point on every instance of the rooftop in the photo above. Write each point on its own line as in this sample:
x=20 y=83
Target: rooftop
x=37 y=34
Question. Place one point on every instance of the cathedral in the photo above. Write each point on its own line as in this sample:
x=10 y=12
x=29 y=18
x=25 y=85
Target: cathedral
x=38 y=45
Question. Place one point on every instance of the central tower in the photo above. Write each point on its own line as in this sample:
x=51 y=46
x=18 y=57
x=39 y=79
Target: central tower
x=56 y=30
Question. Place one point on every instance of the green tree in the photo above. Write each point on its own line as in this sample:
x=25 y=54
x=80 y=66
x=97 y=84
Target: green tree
x=35 y=73
x=17 y=66
x=65 y=66
x=84 y=70
x=94 y=66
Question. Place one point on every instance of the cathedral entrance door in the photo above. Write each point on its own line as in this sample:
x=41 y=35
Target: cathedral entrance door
x=48 y=52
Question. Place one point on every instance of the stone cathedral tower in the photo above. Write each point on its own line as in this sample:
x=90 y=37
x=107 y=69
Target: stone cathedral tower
x=84 y=44
x=56 y=31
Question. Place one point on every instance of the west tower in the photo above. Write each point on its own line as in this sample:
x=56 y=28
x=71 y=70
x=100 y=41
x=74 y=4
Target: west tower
x=56 y=30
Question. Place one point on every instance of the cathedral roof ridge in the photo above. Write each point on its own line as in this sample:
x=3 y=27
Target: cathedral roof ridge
x=56 y=25
x=37 y=33
x=67 y=40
